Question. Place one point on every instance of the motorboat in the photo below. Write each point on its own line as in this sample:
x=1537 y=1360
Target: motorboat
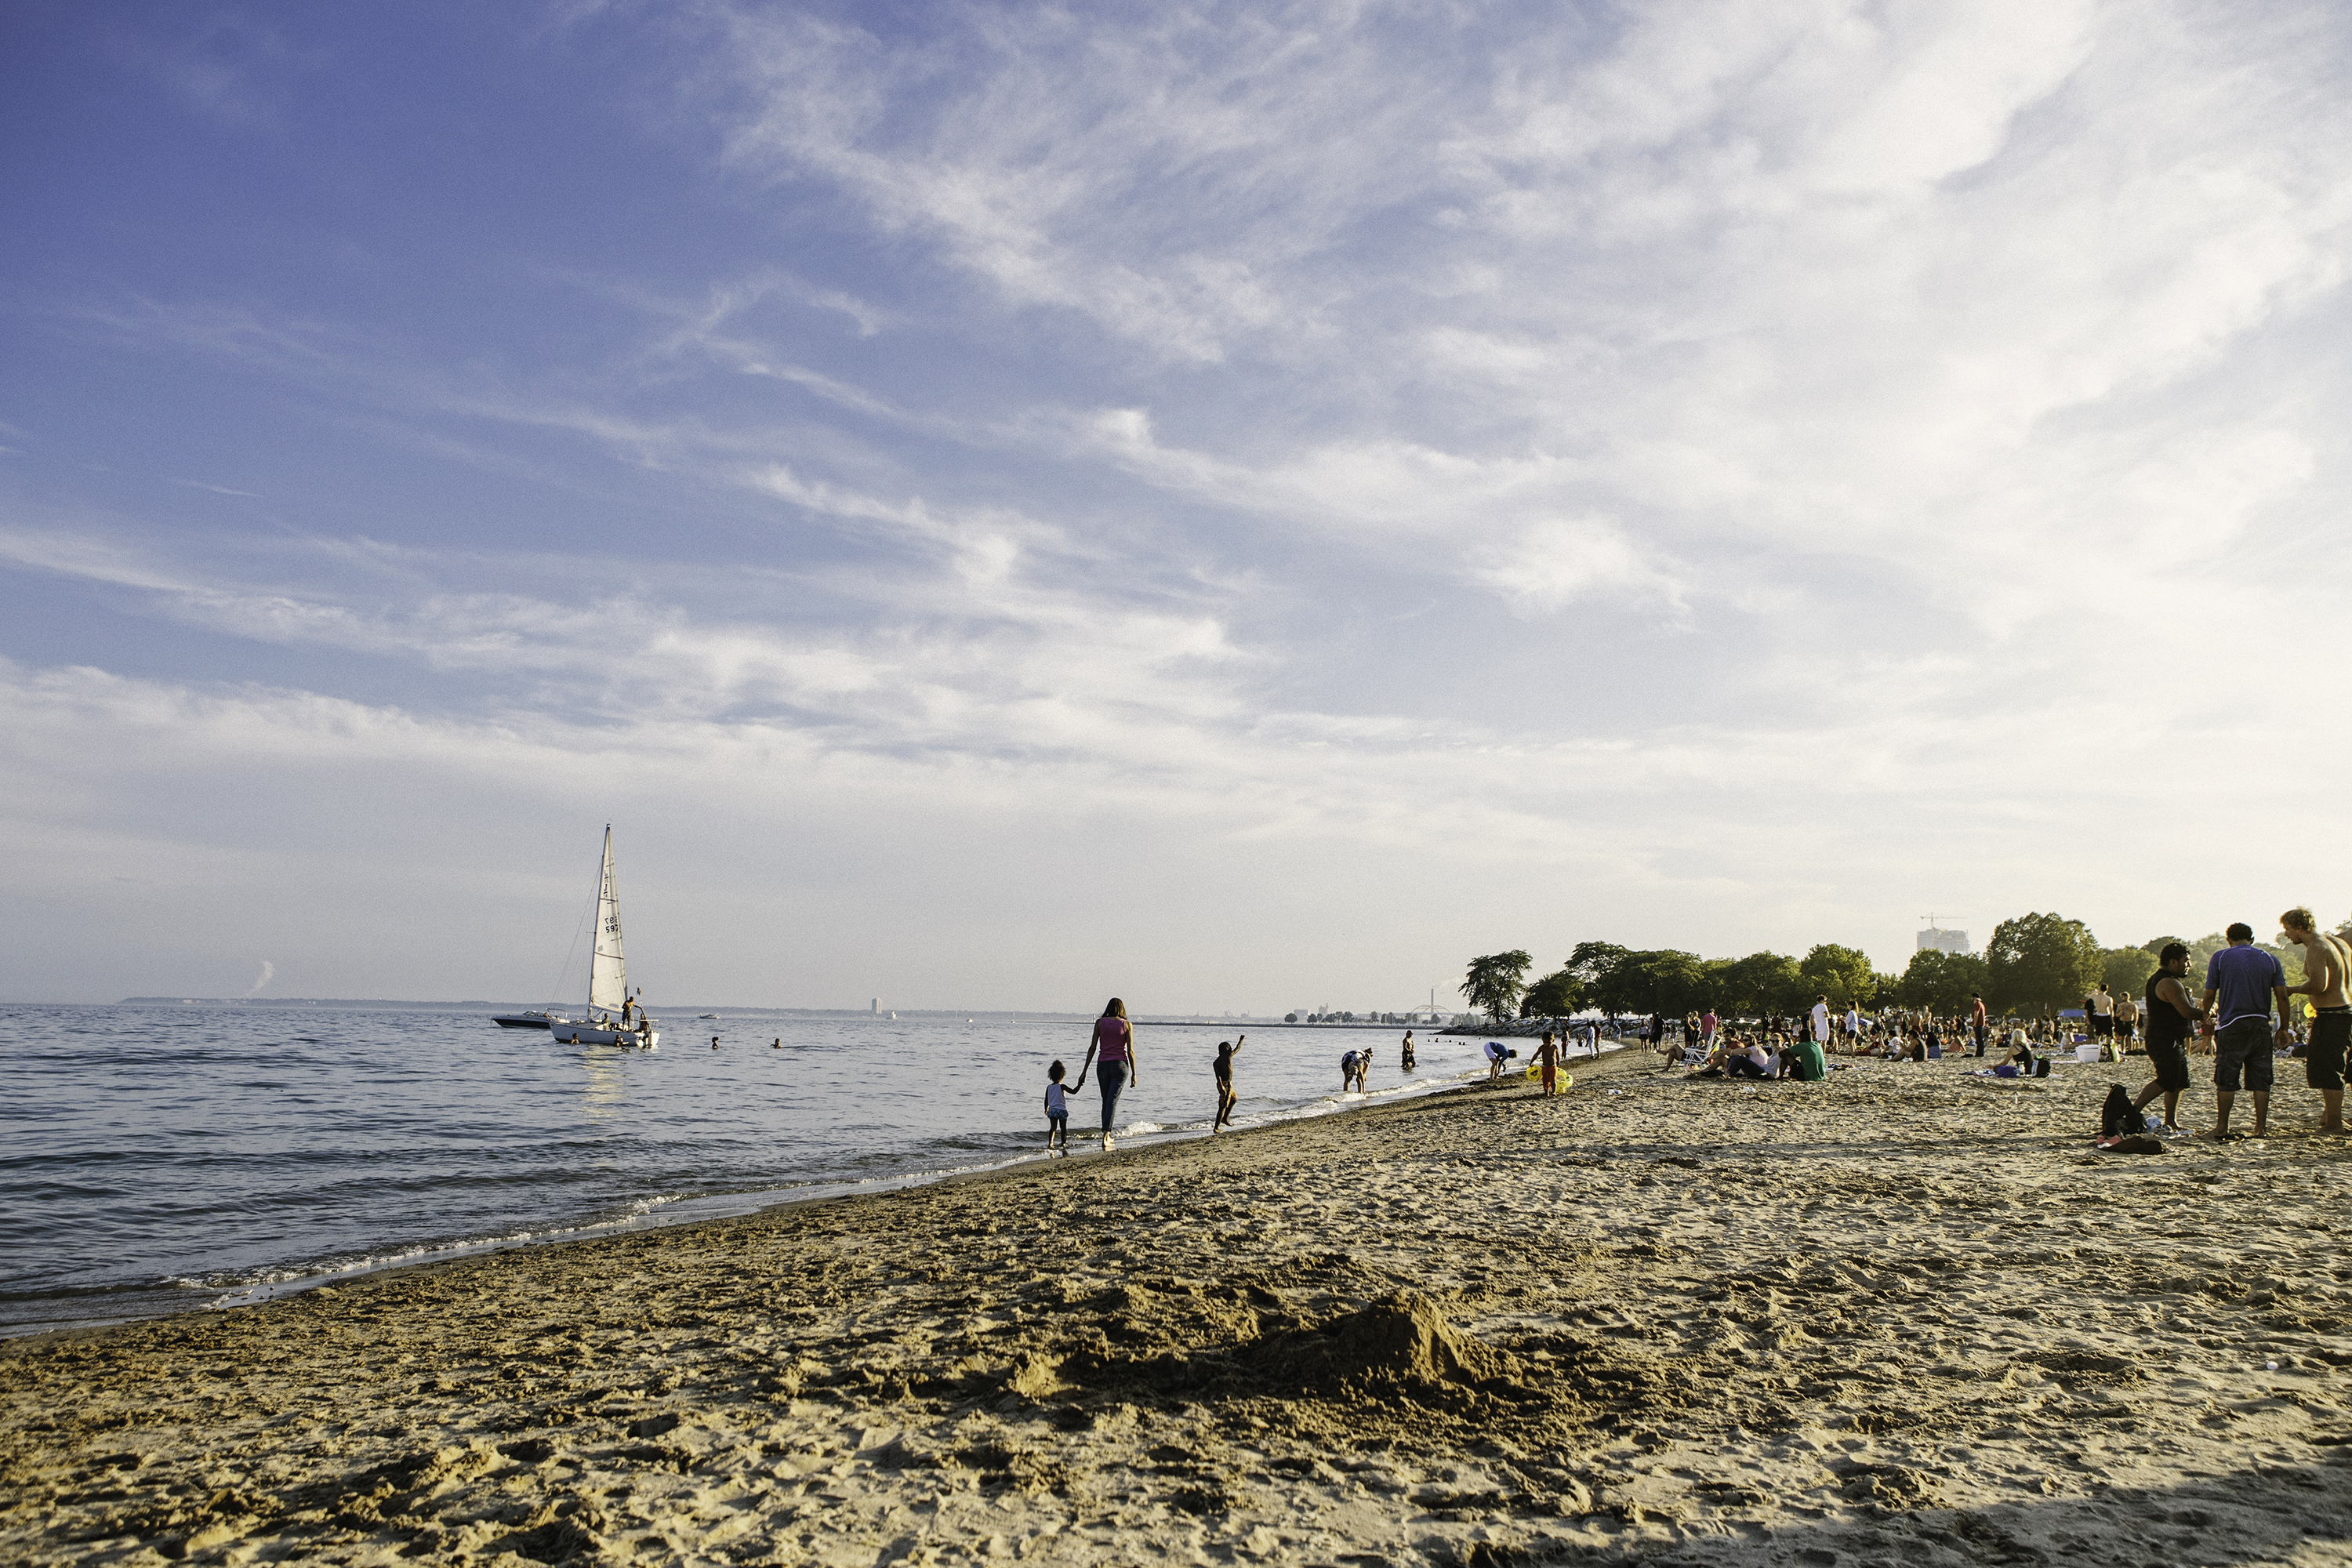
x=525 y=1020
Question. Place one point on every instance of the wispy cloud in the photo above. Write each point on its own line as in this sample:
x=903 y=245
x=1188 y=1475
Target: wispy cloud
x=1790 y=449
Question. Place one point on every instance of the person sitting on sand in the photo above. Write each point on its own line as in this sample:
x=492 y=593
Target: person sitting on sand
x=1224 y=1066
x=1812 y=1063
x=1753 y=1062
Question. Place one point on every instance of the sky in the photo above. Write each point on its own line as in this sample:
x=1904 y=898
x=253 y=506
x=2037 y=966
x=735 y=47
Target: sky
x=1239 y=507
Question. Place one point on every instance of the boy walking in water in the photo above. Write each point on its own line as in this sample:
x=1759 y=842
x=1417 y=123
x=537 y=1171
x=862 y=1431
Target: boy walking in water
x=1057 y=1111
x=1225 y=1066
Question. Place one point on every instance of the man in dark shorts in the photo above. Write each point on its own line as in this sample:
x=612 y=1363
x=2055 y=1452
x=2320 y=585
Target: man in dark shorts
x=2169 y=1016
x=2246 y=981
x=2324 y=960
x=1224 y=1066
x=1977 y=1026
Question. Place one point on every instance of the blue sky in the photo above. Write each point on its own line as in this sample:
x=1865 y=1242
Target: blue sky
x=1240 y=506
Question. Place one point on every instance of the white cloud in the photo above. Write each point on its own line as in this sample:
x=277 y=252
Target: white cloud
x=1885 y=432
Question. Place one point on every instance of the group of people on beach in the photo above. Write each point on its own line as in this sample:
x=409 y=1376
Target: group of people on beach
x=2245 y=1019
x=2232 y=1020
x=1112 y=1056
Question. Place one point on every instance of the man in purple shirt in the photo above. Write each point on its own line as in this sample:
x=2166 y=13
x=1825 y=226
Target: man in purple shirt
x=2248 y=980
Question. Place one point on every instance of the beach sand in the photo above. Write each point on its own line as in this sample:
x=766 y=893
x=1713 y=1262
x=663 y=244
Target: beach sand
x=1906 y=1316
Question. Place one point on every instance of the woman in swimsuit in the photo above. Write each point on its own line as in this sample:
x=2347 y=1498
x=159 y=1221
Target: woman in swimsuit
x=1114 y=1051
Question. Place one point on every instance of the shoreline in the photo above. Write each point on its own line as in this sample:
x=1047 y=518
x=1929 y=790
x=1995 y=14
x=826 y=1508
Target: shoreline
x=1904 y=1313
x=690 y=1211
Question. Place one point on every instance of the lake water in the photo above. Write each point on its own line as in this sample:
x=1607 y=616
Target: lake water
x=155 y=1158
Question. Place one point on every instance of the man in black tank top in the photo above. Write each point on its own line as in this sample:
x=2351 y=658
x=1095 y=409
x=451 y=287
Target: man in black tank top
x=2170 y=1013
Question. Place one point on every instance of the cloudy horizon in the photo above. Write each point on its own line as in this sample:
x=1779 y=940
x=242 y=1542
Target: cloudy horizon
x=1234 y=508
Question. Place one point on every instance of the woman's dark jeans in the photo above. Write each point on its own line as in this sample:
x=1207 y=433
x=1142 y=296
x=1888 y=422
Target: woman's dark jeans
x=1112 y=1076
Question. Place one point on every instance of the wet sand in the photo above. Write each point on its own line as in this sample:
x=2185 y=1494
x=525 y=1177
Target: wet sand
x=1906 y=1316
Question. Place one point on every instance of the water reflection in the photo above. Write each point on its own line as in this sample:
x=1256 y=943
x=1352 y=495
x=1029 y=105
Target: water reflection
x=606 y=1087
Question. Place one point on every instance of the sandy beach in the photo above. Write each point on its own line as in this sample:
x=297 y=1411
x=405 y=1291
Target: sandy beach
x=1906 y=1316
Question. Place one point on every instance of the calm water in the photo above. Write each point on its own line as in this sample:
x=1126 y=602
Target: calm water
x=159 y=1158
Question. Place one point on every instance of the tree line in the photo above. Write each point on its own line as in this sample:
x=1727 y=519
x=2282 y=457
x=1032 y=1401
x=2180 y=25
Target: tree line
x=2034 y=964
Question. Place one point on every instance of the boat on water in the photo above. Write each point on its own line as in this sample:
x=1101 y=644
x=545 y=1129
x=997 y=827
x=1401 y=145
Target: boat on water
x=527 y=1020
x=613 y=1016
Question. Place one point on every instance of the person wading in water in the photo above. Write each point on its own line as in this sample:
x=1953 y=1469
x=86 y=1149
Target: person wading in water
x=1113 y=1050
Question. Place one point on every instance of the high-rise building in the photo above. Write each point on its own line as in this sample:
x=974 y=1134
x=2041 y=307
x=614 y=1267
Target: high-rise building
x=1937 y=938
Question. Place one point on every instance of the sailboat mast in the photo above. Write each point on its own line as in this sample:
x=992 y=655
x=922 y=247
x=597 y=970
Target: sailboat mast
x=608 y=974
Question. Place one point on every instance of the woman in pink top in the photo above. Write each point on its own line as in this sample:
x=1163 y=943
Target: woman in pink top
x=1114 y=1050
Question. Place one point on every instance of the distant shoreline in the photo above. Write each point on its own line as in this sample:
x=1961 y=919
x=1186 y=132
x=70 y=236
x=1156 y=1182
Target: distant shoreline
x=686 y=1011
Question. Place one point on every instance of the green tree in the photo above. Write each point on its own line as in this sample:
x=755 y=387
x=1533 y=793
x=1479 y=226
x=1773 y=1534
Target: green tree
x=2037 y=961
x=2124 y=970
x=1495 y=981
x=1761 y=983
x=1590 y=961
x=1842 y=973
x=1666 y=980
x=1556 y=996
x=1941 y=982
x=1593 y=965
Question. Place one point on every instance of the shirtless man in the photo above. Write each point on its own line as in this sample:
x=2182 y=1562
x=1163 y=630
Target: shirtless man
x=1548 y=1061
x=1224 y=1066
x=2325 y=961
x=2169 y=1016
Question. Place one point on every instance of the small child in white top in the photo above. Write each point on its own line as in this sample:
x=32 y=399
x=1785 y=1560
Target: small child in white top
x=1057 y=1111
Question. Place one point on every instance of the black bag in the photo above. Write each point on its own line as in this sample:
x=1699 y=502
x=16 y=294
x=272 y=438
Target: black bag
x=2119 y=1117
x=2042 y=1066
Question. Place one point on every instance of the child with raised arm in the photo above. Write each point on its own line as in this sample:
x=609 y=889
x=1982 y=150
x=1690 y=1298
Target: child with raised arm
x=1224 y=1067
x=1057 y=1113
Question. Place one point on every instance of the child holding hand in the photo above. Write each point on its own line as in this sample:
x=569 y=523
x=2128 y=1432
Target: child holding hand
x=1057 y=1113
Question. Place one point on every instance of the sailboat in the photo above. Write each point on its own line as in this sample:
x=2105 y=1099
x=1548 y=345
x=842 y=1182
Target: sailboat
x=609 y=1003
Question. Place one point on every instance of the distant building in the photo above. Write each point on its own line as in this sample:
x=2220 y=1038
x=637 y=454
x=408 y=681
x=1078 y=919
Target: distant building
x=1937 y=940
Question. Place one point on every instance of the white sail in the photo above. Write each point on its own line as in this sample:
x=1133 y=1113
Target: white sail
x=608 y=977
